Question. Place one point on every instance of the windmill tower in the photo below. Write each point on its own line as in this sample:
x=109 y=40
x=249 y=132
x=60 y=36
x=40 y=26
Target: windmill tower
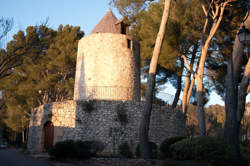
x=108 y=63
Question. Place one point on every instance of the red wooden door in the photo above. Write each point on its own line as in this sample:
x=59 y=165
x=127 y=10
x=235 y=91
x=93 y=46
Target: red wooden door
x=48 y=135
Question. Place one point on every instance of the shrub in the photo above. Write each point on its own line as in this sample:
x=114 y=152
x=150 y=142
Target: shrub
x=95 y=147
x=166 y=144
x=206 y=149
x=170 y=162
x=245 y=153
x=70 y=149
x=152 y=148
x=125 y=150
x=82 y=149
x=87 y=106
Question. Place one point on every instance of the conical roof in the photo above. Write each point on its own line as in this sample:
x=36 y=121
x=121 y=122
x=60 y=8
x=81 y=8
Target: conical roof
x=108 y=24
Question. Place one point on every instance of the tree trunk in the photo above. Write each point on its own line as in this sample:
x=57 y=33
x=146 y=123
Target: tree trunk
x=199 y=93
x=243 y=93
x=217 y=16
x=178 y=91
x=145 y=118
x=187 y=87
x=27 y=134
x=190 y=90
x=229 y=125
x=237 y=64
x=192 y=84
x=184 y=95
x=23 y=137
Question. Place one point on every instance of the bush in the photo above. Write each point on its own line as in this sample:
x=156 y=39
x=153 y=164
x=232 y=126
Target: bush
x=70 y=149
x=125 y=150
x=205 y=149
x=95 y=147
x=153 y=150
x=87 y=106
x=170 y=162
x=245 y=153
x=166 y=144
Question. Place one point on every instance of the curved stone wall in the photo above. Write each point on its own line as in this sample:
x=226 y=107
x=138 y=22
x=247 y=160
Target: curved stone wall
x=108 y=67
x=72 y=121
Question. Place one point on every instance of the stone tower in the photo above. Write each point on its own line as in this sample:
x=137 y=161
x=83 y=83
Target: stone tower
x=108 y=63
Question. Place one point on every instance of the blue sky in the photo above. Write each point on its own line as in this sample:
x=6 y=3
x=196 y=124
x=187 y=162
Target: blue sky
x=83 y=13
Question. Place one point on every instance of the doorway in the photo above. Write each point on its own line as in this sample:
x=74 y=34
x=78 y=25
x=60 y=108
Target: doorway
x=48 y=135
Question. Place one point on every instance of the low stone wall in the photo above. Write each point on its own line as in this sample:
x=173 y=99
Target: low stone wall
x=62 y=115
x=109 y=122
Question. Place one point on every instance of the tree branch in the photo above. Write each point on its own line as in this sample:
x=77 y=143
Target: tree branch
x=187 y=65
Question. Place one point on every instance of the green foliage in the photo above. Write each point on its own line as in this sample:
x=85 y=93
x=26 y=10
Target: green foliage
x=245 y=153
x=215 y=120
x=170 y=162
x=125 y=150
x=153 y=150
x=16 y=120
x=206 y=149
x=87 y=106
x=166 y=144
x=45 y=71
x=217 y=65
x=95 y=147
x=70 y=149
x=121 y=113
x=245 y=126
x=129 y=9
x=182 y=34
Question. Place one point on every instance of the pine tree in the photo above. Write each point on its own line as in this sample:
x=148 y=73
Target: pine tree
x=45 y=72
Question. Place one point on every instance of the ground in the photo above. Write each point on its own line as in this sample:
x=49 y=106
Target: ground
x=14 y=157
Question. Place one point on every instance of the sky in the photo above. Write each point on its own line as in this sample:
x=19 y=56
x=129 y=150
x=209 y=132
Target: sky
x=83 y=13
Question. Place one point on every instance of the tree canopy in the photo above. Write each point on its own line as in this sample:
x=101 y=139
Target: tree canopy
x=45 y=71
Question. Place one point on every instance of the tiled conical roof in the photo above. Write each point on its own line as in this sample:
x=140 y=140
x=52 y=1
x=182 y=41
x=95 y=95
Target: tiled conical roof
x=108 y=24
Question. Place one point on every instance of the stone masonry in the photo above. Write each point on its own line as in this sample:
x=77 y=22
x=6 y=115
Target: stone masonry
x=106 y=105
x=108 y=67
x=72 y=121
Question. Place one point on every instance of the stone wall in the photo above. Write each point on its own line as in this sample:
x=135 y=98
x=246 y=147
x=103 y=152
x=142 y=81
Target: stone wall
x=101 y=121
x=108 y=67
x=62 y=115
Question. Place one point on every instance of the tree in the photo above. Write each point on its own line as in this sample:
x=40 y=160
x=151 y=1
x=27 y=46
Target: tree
x=189 y=86
x=219 y=66
x=5 y=27
x=45 y=74
x=145 y=119
x=7 y=61
x=12 y=56
x=213 y=12
x=215 y=120
x=242 y=79
x=182 y=35
x=191 y=26
x=170 y=67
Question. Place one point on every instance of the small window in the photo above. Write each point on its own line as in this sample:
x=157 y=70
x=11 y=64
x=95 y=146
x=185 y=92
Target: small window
x=123 y=29
x=129 y=43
